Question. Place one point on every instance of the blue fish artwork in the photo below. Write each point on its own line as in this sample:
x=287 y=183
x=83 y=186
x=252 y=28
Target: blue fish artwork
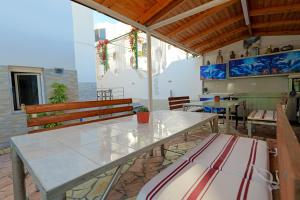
x=213 y=72
x=281 y=63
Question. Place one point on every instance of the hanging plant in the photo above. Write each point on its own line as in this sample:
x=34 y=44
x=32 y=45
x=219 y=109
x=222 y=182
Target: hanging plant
x=103 y=54
x=133 y=42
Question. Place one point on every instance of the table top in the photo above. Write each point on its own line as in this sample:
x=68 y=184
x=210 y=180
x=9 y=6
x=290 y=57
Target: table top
x=221 y=104
x=57 y=157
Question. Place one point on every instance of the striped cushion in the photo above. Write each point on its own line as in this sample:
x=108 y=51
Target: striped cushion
x=242 y=154
x=205 y=171
x=264 y=115
x=187 y=180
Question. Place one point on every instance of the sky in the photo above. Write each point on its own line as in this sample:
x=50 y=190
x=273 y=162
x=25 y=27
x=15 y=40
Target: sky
x=113 y=27
x=100 y=18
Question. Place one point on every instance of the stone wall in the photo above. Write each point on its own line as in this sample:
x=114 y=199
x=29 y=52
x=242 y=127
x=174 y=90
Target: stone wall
x=12 y=122
x=87 y=91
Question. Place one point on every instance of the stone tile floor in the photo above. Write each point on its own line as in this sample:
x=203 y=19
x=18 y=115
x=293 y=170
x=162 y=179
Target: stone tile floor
x=134 y=175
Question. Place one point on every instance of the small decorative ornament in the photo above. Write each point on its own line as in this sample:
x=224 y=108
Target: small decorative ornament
x=208 y=62
x=232 y=55
x=219 y=58
x=269 y=50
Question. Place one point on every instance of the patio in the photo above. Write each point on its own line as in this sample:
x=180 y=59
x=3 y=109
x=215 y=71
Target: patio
x=134 y=176
x=178 y=132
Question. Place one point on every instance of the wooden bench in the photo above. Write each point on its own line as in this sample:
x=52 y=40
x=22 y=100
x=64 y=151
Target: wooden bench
x=75 y=113
x=231 y=167
x=176 y=103
x=263 y=117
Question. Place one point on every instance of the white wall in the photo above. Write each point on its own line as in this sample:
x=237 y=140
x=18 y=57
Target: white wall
x=182 y=77
x=266 y=41
x=37 y=33
x=84 y=38
x=250 y=85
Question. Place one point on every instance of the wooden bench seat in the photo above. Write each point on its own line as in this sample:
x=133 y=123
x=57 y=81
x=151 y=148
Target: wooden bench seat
x=176 y=103
x=264 y=117
x=42 y=117
x=231 y=167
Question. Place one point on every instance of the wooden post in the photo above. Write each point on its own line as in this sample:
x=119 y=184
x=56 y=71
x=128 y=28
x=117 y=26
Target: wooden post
x=149 y=69
x=18 y=176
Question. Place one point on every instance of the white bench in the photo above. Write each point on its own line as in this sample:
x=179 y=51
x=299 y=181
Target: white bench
x=221 y=167
x=264 y=117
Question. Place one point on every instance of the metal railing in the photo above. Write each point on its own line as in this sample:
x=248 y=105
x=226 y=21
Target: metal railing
x=110 y=93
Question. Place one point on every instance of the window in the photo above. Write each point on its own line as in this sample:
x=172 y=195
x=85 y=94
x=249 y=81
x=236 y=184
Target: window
x=26 y=89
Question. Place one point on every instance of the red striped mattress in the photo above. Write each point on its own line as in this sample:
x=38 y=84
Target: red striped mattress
x=219 y=168
x=264 y=115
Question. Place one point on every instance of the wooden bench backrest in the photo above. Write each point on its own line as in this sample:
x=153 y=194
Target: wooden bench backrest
x=72 y=112
x=288 y=158
x=177 y=102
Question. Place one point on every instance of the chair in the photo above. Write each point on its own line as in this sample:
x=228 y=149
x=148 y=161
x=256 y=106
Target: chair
x=176 y=103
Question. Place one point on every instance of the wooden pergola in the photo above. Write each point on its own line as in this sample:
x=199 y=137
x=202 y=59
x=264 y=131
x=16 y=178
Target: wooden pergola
x=201 y=26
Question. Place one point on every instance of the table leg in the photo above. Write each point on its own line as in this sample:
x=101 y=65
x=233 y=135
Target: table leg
x=162 y=150
x=113 y=180
x=249 y=129
x=244 y=113
x=215 y=125
x=18 y=176
x=227 y=121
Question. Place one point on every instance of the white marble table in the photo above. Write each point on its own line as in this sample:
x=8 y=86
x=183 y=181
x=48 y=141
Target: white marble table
x=60 y=159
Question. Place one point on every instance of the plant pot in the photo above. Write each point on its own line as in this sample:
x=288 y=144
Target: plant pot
x=143 y=117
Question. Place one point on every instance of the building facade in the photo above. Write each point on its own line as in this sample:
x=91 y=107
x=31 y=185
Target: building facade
x=38 y=47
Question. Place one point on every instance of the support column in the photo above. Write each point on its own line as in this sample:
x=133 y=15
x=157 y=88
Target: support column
x=149 y=69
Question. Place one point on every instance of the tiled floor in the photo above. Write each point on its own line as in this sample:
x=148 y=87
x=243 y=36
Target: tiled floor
x=135 y=174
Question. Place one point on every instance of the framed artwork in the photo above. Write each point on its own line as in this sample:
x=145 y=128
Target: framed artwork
x=213 y=72
x=275 y=64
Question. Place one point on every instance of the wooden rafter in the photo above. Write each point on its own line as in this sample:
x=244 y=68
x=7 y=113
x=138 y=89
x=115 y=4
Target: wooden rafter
x=274 y=33
x=188 y=13
x=201 y=17
x=108 y=3
x=276 y=23
x=275 y=10
x=160 y=4
x=165 y=11
x=223 y=37
x=214 y=28
x=225 y=43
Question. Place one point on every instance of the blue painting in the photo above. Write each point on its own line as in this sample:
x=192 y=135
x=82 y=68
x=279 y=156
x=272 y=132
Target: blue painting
x=288 y=62
x=211 y=72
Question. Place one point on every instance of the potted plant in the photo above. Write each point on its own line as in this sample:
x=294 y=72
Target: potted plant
x=143 y=115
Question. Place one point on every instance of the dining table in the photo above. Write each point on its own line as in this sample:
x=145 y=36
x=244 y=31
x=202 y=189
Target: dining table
x=226 y=104
x=60 y=159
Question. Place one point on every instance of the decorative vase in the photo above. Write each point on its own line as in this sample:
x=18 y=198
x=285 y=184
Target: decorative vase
x=217 y=99
x=232 y=55
x=219 y=58
x=143 y=117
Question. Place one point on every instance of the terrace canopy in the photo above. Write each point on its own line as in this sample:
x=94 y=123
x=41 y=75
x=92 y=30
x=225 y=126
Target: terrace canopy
x=200 y=26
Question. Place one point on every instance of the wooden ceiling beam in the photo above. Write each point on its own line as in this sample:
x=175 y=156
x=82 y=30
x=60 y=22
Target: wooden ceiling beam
x=158 y=6
x=225 y=43
x=275 y=10
x=108 y=3
x=201 y=17
x=276 y=23
x=188 y=13
x=246 y=15
x=275 y=33
x=222 y=37
x=165 y=11
x=214 y=28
